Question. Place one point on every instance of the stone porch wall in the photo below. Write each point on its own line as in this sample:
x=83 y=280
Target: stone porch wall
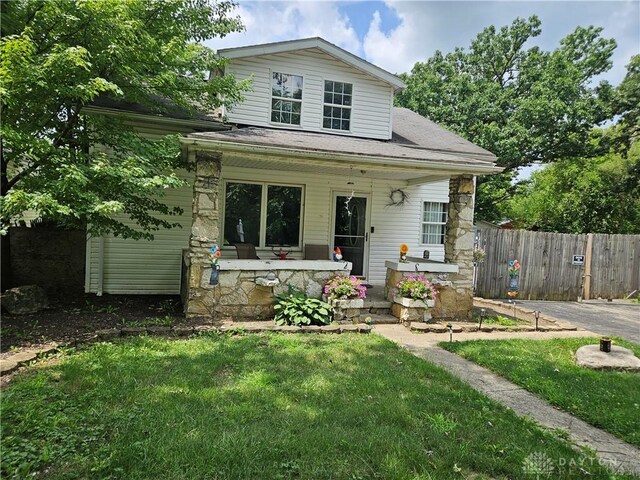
x=239 y=297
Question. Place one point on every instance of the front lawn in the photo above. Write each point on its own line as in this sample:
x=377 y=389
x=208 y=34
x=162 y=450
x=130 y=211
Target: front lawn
x=263 y=407
x=606 y=399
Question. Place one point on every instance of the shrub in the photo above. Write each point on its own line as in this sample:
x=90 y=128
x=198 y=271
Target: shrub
x=418 y=288
x=296 y=308
x=345 y=287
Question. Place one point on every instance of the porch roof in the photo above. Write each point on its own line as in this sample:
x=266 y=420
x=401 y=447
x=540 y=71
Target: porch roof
x=421 y=146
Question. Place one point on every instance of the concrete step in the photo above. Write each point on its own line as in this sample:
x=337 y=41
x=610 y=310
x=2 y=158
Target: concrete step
x=378 y=319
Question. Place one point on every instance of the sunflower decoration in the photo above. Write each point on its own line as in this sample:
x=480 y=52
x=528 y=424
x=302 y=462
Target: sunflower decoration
x=404 y=248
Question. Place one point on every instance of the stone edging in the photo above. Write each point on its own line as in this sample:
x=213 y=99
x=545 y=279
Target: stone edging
x=545 y=322
x=420 y=327
x=13 y=362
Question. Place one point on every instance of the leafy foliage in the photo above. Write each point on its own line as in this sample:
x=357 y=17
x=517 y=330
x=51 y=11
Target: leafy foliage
x=57 y=59
x=416 y=287
x=579 y=195
x=523 y=104
x=345 y=287
x=296 y=308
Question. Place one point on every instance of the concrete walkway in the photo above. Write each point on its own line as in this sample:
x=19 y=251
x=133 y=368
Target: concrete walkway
x=611 y=451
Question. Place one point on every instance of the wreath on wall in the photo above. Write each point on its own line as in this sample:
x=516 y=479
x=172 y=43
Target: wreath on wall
x=397 y=197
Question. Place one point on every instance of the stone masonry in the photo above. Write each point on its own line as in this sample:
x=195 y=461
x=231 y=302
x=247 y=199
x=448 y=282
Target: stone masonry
x=456 y=301
x=205 y=231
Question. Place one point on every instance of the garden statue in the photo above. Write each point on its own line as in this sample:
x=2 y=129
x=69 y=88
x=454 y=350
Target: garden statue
x=404 y=249
x=337 y=255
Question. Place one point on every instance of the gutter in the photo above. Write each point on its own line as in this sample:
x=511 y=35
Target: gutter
x=329 y=158
x=210 y=125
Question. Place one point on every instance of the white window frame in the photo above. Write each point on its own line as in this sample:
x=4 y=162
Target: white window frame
x=262 y=234
x=272 y=97
x=335 y=105
x=443 y=205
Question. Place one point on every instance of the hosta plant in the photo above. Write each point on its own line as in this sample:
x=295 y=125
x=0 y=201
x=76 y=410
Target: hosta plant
x=296 y=308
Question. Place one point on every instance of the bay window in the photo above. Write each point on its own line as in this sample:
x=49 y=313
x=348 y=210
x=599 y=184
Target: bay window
x=263 y=214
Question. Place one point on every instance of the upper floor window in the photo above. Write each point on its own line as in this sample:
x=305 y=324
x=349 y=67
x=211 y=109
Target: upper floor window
x=434 y=222
x=286 y=98
x=337 y=105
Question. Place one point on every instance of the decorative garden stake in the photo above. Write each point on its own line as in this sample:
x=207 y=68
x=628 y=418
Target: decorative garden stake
x=215 y=268
x=514 y=278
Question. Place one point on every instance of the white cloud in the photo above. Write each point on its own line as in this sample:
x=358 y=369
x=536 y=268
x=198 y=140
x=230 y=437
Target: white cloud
x=394 y=51
x=276 y=21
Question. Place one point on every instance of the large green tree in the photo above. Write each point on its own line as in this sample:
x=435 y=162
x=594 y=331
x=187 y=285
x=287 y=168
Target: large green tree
x=522 y=103
x=58 y=56
x=578 y=195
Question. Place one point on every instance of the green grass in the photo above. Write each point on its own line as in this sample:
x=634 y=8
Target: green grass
x=606 y=399
x=500 y=320
x=262 y=407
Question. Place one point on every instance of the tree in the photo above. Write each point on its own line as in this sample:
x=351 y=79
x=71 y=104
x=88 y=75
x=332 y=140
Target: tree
x=581 y=195
x=627 y=104
x=523 y=104
x=58 y=57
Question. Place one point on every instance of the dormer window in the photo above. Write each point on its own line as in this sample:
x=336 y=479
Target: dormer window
x=337 y=105
x=286 y=98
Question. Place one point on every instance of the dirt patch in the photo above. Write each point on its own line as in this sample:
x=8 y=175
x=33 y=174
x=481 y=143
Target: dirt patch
x=72 y=316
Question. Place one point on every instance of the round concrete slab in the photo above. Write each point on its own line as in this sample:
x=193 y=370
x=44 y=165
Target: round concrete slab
x=619 y=358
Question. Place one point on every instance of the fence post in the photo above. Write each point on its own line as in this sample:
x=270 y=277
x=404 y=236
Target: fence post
x=587 y=267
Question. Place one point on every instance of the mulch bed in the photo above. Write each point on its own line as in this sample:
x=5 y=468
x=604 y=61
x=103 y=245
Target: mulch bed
x=71 y=316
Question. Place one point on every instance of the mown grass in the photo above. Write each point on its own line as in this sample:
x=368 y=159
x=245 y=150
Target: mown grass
x=262 y=407
x=606 y=399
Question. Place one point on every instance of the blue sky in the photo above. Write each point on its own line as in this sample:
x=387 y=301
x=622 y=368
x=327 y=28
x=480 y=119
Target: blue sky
x=394 y=35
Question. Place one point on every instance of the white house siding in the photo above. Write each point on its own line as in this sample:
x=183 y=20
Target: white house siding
x=372 y=98
x=395 y=225
x=141 y=266
x=154 y=267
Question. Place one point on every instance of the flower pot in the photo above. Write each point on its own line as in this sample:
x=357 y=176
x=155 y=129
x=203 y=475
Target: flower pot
x=344 y=303
x=413 y=303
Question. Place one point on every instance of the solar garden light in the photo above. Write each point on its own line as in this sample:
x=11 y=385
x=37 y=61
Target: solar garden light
x=536 y=313
x=450 y=327
x=482 y=312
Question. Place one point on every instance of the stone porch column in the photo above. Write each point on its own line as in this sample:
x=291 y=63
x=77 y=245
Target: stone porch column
x=205 y=231
x=458 y=247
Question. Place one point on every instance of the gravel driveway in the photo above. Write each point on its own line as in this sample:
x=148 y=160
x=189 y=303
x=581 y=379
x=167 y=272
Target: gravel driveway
x=618 y=318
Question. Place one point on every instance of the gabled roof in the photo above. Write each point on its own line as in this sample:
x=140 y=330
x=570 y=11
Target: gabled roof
x=314 y=42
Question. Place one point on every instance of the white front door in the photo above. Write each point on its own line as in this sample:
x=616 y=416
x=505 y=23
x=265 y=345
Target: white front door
x=351 y=230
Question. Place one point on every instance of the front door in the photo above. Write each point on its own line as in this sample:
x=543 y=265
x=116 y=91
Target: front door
x=350 y=230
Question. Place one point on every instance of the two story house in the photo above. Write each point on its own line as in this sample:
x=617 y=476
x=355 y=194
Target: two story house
x=316 y=155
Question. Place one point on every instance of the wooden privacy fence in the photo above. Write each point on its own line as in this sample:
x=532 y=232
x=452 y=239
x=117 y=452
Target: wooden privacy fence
x=611 y=266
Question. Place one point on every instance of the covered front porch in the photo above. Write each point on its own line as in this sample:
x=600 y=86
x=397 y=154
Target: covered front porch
x=425 y=204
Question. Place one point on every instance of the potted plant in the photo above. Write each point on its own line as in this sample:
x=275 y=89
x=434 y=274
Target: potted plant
x=413 y=296
x=346 y=295
x=415 y=291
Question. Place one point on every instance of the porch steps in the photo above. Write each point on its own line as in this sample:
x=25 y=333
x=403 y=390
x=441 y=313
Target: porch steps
x=376 y=306
x=378 y=318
